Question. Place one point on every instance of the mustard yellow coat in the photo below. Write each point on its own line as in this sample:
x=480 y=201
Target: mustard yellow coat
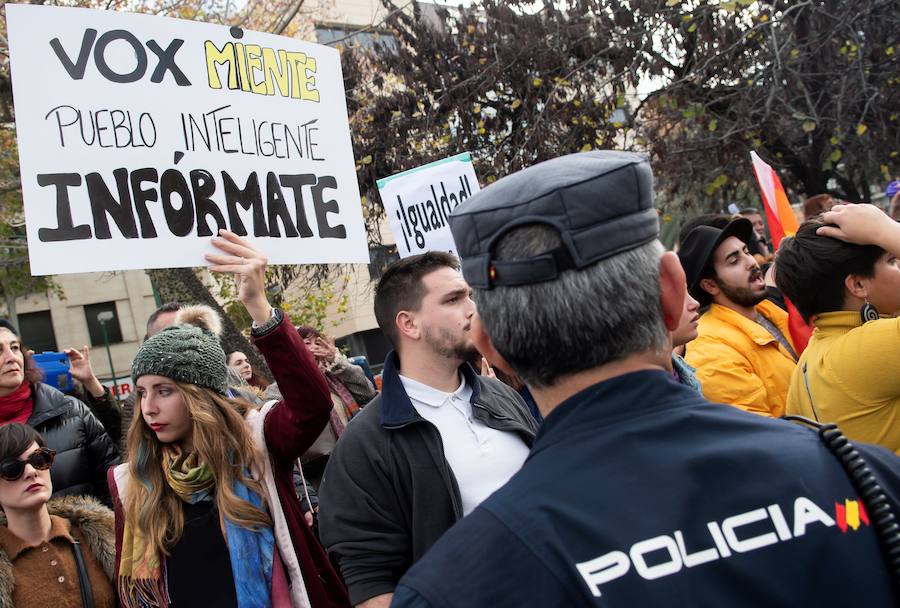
x=740 y=363
x=854 y=378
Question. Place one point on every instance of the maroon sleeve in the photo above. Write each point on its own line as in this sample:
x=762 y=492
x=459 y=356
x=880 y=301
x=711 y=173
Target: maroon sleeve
x=295 y=422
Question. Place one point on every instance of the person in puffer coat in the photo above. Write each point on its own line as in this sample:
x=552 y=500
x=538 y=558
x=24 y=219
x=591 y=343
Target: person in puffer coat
x=83 y=449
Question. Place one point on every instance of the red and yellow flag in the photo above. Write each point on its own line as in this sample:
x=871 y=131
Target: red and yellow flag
x=782 y=222
x=779 y=215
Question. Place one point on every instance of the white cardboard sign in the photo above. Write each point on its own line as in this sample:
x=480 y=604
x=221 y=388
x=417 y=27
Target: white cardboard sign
x=419 y=201
x=141 y=136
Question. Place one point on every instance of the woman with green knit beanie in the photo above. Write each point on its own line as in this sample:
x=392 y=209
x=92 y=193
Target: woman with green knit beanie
x=206 y=513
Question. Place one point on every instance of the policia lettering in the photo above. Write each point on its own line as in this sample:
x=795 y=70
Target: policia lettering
x=187 y=204
x=725 y=538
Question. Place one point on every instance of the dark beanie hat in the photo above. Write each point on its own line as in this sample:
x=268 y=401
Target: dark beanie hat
x=189 y=353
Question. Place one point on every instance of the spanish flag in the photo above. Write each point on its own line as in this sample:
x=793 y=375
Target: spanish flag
x=779 y=214
x=782 y=222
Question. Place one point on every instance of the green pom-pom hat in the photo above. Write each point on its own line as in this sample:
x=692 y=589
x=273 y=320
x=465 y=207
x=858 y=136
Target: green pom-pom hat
x=186 y=352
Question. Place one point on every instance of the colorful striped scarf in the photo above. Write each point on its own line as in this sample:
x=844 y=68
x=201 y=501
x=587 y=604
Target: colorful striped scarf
x=141 y=573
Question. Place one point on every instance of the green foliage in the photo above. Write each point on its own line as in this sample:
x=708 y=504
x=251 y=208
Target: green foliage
x=320 y=309
x=15 y=270
x=695 y=84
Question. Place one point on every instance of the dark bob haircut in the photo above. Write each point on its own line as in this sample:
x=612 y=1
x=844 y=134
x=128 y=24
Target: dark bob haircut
x=15 y=438
x=307 y=332
x=810 y=269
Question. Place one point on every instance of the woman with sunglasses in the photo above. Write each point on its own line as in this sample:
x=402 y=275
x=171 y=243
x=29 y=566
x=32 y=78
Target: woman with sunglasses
x=57 y=553
x=206 y=509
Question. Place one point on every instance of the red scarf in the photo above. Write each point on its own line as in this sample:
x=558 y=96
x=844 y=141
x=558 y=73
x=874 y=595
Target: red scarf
x=17 y=406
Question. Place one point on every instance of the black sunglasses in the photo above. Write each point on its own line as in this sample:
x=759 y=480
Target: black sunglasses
x=12 y=469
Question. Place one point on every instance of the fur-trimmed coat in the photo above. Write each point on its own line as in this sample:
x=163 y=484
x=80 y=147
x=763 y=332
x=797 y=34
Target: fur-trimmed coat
x=97 y=525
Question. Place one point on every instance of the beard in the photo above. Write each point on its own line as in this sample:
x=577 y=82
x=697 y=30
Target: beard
x=452 y=346
x=742 y=296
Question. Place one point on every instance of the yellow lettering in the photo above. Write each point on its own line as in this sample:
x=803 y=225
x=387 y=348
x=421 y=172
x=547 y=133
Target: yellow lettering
x=262 y=70
x=296 y=61
x=242 y=66
x=277 y=70
x=215 y=57
x=308 y=87
x=254 y=65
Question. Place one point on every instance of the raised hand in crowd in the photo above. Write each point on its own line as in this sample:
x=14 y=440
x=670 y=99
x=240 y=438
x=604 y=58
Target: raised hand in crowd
x=97 y=397
x=862 y=224
x=81 y=370
x=323 y=350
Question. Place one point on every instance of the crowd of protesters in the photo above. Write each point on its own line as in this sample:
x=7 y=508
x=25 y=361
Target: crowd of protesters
x=570 y=416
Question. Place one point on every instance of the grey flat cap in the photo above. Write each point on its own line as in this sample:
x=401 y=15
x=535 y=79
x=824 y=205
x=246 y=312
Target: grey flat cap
x=601 y=203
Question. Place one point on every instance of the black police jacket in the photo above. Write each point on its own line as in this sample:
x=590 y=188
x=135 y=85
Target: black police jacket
x=638 y=492
x=84 y=451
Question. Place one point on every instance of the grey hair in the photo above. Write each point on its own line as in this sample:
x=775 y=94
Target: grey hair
x=583 y=319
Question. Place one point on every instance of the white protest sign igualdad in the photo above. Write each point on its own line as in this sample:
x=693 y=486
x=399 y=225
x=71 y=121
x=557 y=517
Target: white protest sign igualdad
x=141 y=136
x=419 y=201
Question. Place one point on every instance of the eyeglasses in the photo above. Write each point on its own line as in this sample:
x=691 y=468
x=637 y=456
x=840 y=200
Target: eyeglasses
x=12 y=469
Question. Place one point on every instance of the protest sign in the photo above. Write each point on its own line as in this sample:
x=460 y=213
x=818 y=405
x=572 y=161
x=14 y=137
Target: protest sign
x=141 y=136
x=121 y=388
x=419 y=201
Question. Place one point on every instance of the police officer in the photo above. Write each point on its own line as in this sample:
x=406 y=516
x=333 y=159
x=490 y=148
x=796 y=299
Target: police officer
x=637 y=492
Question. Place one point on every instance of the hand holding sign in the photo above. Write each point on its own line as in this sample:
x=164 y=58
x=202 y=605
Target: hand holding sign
x=249 y=267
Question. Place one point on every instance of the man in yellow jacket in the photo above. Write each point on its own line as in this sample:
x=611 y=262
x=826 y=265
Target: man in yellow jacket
x=744 y=354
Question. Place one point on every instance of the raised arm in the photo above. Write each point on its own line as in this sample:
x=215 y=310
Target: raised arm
x=97 y=397
x=862 y=224
x=301 y=415
x=298 y=419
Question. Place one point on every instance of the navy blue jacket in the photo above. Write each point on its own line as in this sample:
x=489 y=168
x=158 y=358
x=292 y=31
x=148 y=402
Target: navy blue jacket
x=638 y=492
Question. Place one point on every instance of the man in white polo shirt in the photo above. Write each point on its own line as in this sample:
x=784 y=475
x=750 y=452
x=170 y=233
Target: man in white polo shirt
x=480 y=457
x=436 y=442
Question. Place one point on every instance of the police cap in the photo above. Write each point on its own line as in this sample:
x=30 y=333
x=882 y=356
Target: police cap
x=600 y=203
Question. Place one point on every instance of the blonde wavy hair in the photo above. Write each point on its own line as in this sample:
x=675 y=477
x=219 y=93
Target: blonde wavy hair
x=222 y=441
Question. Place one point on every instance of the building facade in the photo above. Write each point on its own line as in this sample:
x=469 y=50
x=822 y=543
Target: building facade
x=106 y=311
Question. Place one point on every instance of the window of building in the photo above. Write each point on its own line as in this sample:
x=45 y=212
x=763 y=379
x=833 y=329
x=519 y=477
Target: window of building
x=370 y=343
x=380 y=257
x=106 y=311
x=354 y=36
x=36 y=331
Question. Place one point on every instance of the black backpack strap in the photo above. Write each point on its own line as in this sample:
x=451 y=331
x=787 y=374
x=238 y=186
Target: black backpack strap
x=884 y=522
x=87 y=595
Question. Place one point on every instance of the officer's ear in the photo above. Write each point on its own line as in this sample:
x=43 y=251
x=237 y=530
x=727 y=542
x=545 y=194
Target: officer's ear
x=483 y=343
x=672 y=289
